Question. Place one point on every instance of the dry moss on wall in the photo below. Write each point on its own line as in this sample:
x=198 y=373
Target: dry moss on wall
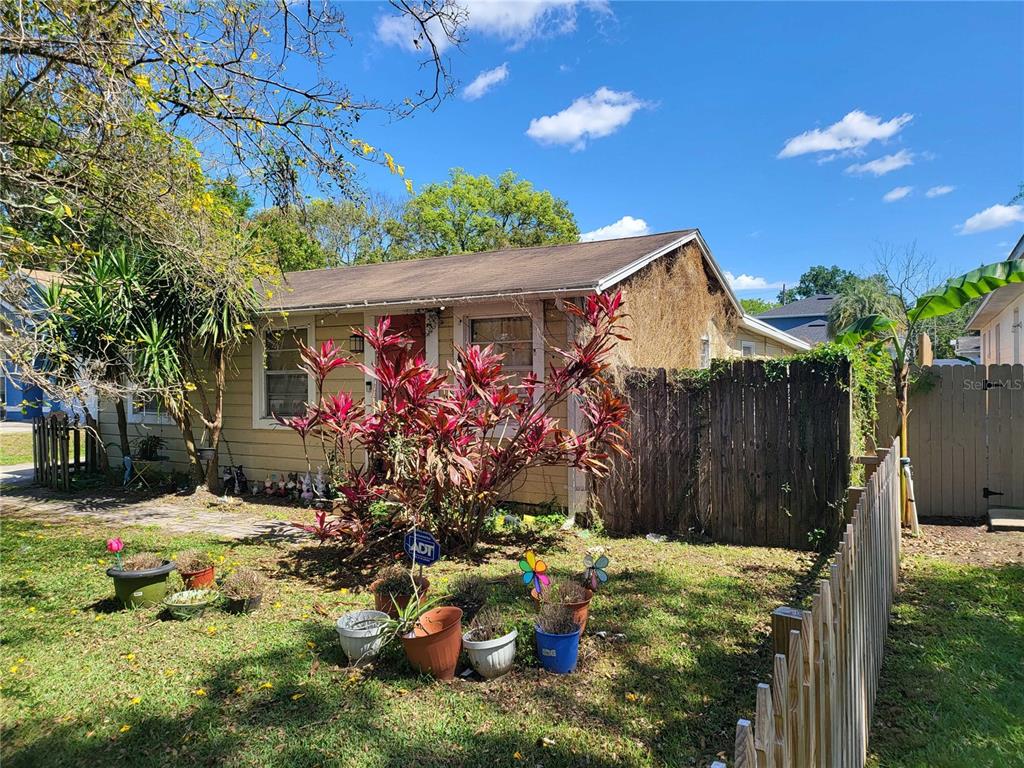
x=672 y=305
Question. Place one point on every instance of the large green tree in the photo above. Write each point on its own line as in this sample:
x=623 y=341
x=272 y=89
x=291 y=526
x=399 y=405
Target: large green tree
x=471 y=213
x=816 y=280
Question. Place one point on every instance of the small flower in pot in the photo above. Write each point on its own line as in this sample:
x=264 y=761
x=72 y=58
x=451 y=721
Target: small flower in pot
x=572 y=595
x=490 y=644
x=243 y=590
x=140 y=580
x=196 y=568
x=394 y=587
x=558 y=638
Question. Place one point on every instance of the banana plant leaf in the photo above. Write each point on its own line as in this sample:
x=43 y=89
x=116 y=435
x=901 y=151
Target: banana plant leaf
x=958 y=291
x=869 y=326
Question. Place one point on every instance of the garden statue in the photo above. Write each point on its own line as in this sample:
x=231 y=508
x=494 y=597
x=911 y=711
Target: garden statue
x=268 y=485
x=320 y=484
x=241 y=481
x=227 y=480
x=307 y=489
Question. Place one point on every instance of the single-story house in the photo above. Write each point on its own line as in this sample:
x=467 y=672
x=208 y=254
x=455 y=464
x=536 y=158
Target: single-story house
x=510 y=298
x=21 y=306
x=806 y=319
x=998 y=320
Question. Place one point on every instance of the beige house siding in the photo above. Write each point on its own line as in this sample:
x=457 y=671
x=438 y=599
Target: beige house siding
x=265 y=449
x=1002 y=338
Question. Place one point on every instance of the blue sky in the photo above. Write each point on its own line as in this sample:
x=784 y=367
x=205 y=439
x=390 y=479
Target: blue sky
x=791 y=134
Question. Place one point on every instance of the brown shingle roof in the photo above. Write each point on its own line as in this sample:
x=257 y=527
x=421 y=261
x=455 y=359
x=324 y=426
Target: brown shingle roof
x=576 y=267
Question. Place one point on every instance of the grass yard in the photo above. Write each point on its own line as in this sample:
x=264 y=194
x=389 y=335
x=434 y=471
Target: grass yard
x=15 y=447
x=85 y=684
x=952 y=687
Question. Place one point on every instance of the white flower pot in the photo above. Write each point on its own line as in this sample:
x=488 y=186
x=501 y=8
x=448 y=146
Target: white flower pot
x=491 y=658
x=361 y=634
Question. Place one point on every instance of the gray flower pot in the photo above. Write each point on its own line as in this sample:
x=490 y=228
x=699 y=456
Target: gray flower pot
x=361 y=634
x=491 y=658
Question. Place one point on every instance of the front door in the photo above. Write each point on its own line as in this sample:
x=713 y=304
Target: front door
x=414 y=327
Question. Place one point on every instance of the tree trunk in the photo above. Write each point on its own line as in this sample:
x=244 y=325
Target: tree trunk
x=215 y=420
x=179 y=412
x=902 y=396
x=122 y=426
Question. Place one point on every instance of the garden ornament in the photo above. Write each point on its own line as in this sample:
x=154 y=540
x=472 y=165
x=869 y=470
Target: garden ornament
x=534 y=571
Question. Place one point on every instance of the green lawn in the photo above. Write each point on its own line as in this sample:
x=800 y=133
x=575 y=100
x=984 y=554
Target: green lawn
x=15 y=447
x=952 y=688
x=85 y=684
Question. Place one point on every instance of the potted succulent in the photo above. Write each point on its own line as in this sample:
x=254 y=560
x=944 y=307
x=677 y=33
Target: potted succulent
x=190 y=603
x=558 y=638
x=140 y=580
x=196 y=568
x=491 y=648
x=394 y=587
x=431 y=636
x=571 y=594
x=362 y=634
x=243 y=590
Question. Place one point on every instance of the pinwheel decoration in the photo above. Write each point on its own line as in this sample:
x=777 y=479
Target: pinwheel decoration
x=534 y=571
x=595 y=574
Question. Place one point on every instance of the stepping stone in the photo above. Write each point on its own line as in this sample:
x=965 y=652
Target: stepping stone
x=1006 y=519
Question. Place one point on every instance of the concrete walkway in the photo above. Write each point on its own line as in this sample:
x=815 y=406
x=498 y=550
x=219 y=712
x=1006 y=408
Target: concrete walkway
x=37 y=503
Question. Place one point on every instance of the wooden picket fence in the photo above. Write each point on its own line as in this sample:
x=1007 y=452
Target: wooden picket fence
x=816 y=712
x=63 y=448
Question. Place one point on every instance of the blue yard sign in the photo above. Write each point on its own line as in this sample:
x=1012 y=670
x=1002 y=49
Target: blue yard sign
x=422 y=547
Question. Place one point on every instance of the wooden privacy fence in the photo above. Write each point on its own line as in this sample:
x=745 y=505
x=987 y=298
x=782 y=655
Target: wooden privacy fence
x=816 y=712
x=965 y=438
x=62 y=448
x=758 y=453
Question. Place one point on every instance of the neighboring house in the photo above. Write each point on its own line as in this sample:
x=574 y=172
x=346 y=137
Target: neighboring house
x=806 y=319
x=21 y=401
x=968 y=348
x=510 y=298
x=998 y=320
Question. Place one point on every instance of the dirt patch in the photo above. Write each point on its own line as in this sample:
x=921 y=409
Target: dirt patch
x=967 y=542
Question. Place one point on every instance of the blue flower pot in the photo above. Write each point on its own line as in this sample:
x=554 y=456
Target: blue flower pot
x=558 y=653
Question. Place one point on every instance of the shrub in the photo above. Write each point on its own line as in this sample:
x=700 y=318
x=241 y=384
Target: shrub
x=193 y=561
x=243 y=584
x=142 y=560
x=556 y=619
x=430 y=436
x=395 y=581
x=489 y=624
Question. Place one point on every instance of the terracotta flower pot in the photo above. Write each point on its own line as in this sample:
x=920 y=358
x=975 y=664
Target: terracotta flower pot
x=434 y=645
x=386 y=602
x=198 y=579
x=580 y=610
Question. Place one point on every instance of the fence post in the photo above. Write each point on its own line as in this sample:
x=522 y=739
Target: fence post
x=784 y=620
x=780 y=705
x=764 y=727
x=745 y=756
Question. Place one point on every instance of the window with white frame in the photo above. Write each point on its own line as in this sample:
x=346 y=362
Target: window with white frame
x=705 y=352
x=512 y=336
x=146 y=408
x=285 y=389
x=747 y=348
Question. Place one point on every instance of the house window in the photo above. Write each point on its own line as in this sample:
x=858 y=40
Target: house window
x=147 y=408
x=512 y=336
x=747 y=348
x=285 y=387
x=705 y=352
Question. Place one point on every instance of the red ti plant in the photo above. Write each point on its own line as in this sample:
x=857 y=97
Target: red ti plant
x=442 y=448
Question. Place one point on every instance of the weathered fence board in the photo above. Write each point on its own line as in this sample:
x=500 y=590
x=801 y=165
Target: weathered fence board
x=757 y=454
x=964 y=436
x=63 y=448
x=817 y=711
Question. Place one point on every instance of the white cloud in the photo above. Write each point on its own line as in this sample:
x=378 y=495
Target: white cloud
x=750 y=283
x=897 y=193
x=939 y=191
x=995 y=217
x=883 y=165
x=515 y=22
x=589 y=117
x=852 y=133
x=627 y=226
x=483 y=82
